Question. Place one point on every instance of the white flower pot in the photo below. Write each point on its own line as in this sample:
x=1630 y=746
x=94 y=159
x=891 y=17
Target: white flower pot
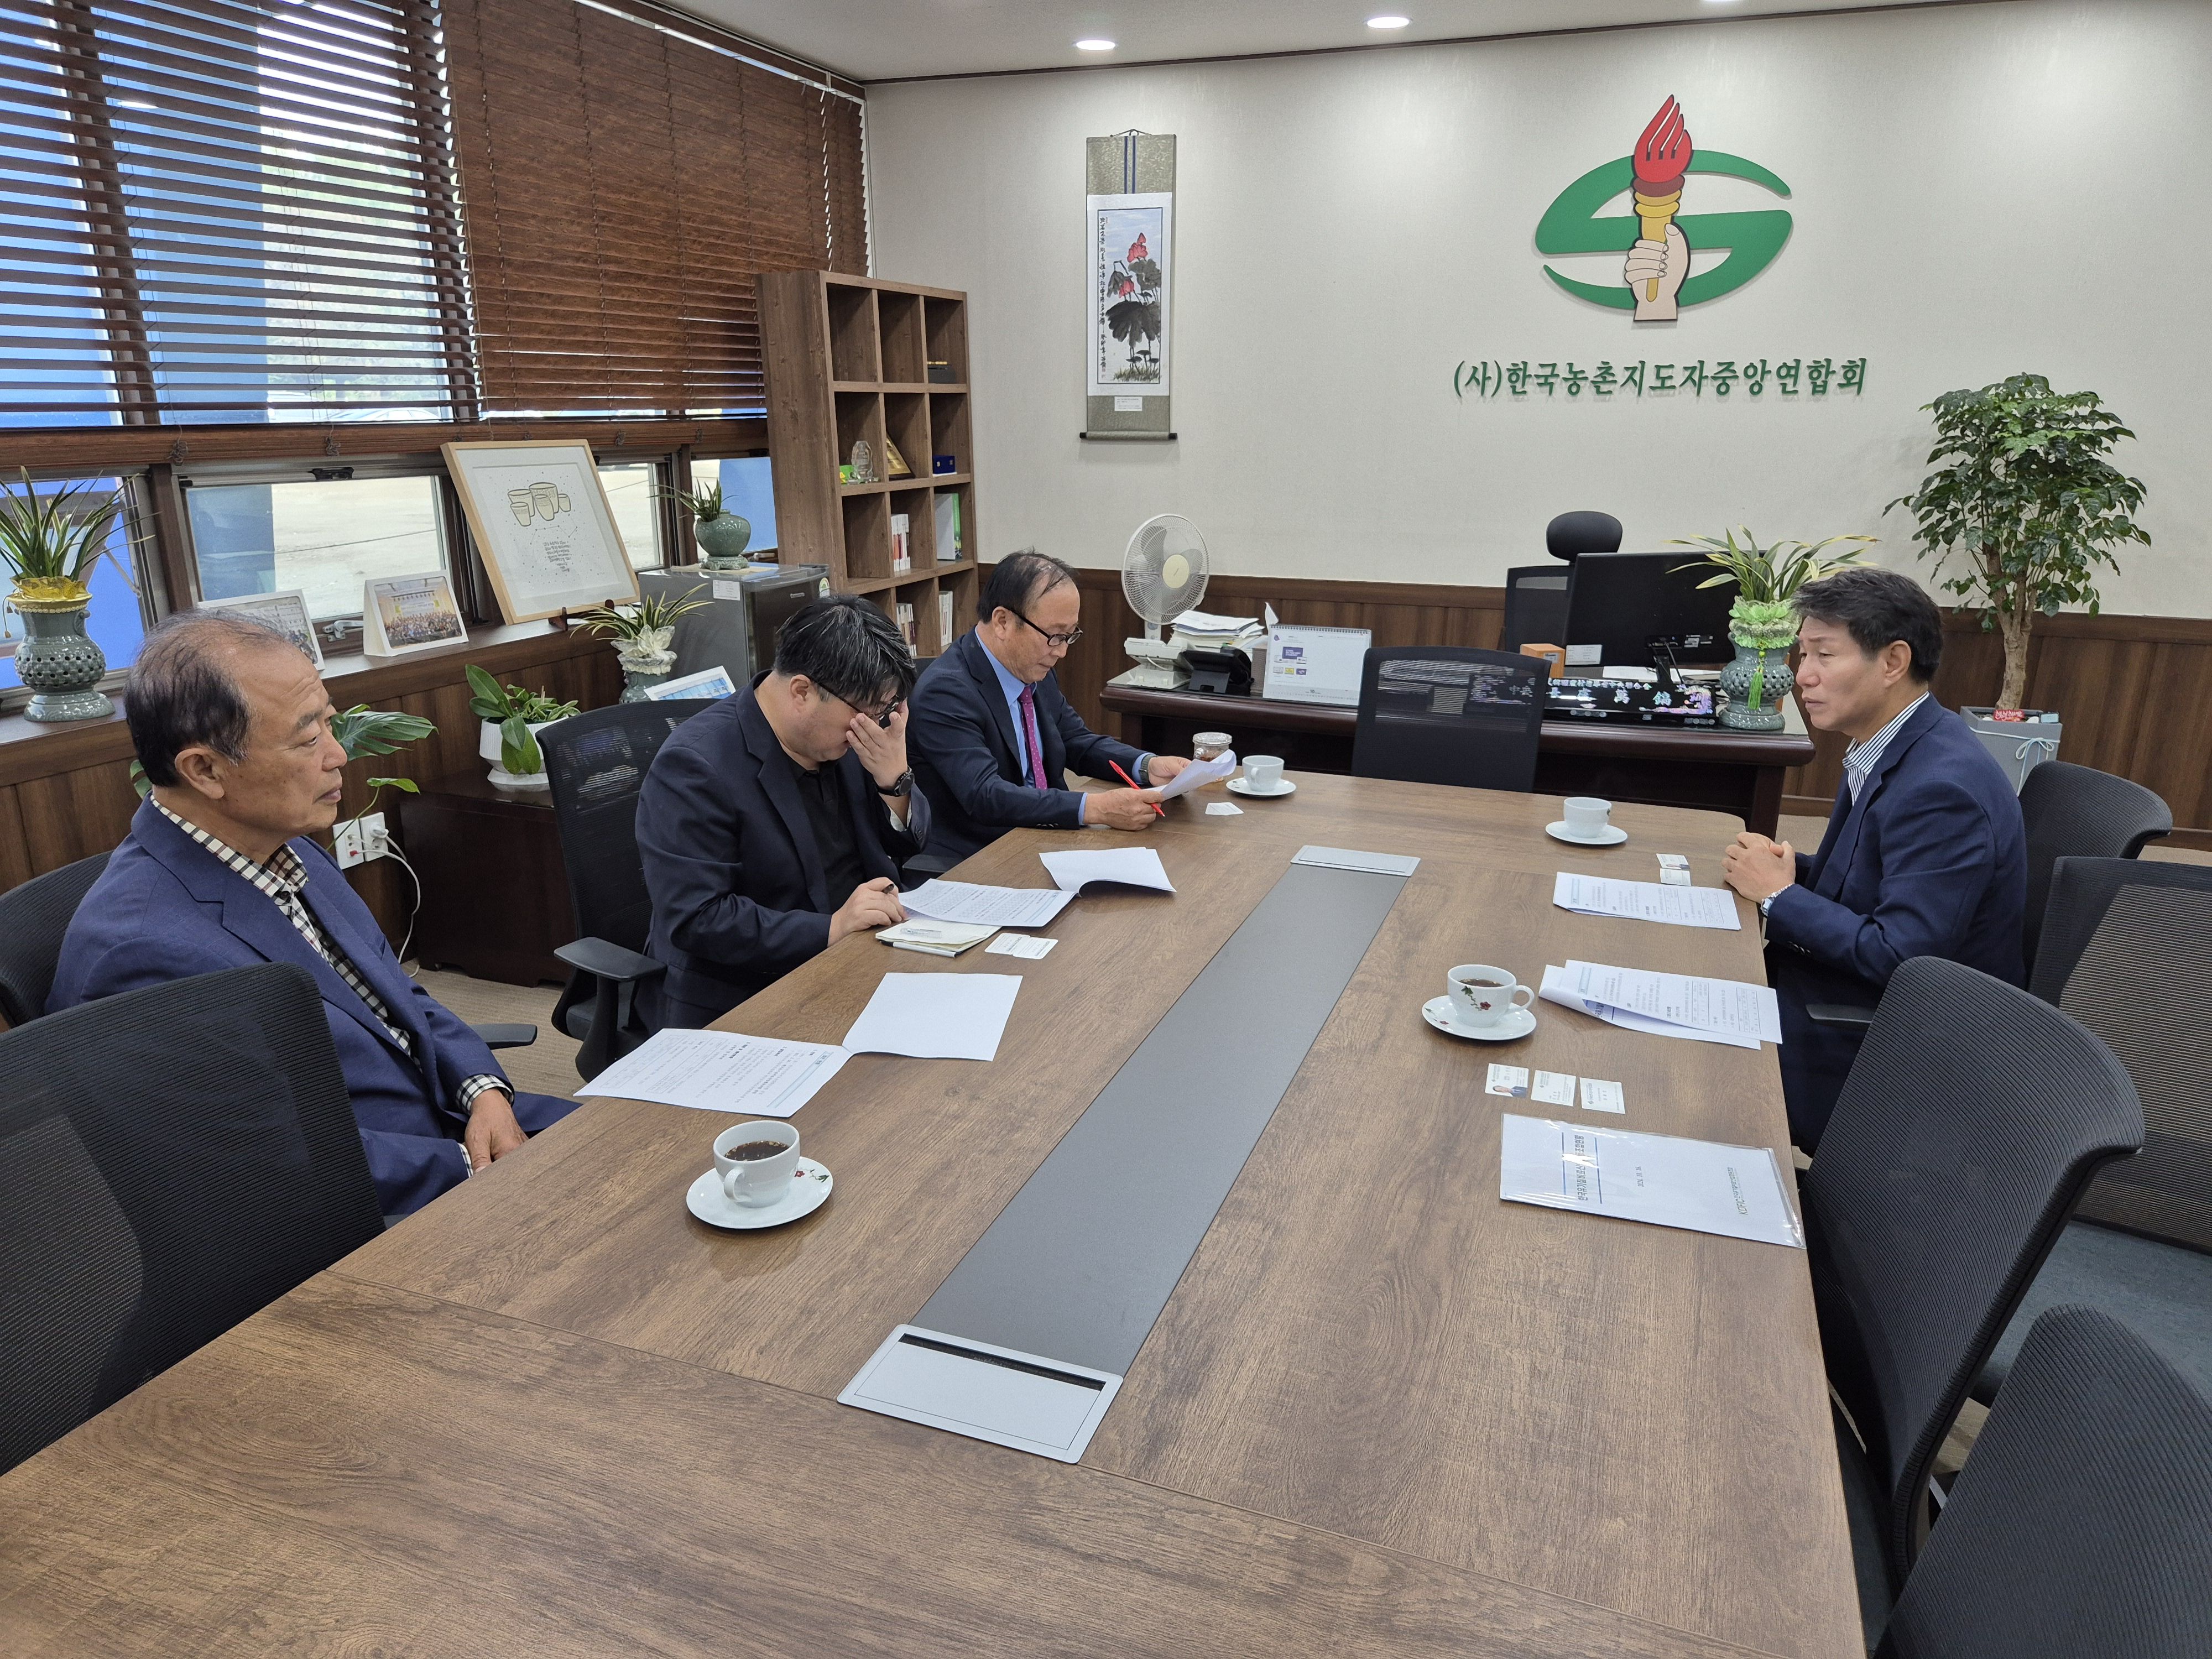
x=488 y=746
x=2018 y=746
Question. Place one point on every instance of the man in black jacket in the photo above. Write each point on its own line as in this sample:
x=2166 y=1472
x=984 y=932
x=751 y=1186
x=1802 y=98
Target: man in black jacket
x=773 y=823
x=992 y=732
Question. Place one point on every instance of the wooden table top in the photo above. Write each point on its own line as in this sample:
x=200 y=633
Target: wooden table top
x=554 y=1414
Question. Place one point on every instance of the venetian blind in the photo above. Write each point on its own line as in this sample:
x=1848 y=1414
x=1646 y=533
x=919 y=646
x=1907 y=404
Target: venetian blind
x=622 y=184
x=226 y=210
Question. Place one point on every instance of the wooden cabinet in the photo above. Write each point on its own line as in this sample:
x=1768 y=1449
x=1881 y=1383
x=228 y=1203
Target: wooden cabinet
x=494 y=892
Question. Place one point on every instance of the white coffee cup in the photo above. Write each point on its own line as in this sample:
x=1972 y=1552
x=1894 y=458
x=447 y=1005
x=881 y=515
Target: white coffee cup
x=1482 y=995
x=756 y=1182
x=1263 y=773
x=1587 y=815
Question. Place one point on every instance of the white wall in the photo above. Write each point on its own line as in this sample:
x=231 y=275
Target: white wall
x=1978 y=190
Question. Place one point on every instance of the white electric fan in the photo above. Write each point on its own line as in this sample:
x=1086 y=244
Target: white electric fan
x=1164 y=575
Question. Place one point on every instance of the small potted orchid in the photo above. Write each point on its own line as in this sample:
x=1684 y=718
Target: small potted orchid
x=643 y=635
x=1762 y=625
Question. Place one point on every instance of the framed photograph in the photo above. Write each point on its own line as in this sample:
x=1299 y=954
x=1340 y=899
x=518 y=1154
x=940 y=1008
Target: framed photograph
x=542 y=522
x=707 y=683
x=286 y=612
x=400 y=614
x=1130 y=276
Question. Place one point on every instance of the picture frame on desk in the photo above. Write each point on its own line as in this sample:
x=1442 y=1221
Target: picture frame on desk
x=404 y=614
x=285 y=611
x=540 y=519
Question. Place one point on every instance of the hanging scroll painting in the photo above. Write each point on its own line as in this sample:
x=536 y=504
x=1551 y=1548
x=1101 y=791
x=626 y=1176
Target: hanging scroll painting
x=1132 y=276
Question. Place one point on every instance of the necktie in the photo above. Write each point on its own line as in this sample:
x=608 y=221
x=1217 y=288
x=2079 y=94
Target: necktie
x=1030 y=732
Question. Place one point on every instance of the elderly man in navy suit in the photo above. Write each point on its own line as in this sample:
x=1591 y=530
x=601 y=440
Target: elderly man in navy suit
x=220 y=870
x=1925 y=854
x=992 y=732
x=773 y=823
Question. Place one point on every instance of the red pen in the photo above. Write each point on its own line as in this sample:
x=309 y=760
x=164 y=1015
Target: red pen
x=1133 y=784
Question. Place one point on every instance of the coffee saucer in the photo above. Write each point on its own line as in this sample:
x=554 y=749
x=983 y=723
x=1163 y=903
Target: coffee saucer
x=810 y=1188
x=1611 y=836
x=1238 y=786
x=1438 y=1011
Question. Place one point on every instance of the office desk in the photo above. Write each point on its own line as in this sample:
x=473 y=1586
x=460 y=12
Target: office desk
x=1714 y=768
x=1383 y=1412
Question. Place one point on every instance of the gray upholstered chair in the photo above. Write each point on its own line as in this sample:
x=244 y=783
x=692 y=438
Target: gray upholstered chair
x=2077 y=812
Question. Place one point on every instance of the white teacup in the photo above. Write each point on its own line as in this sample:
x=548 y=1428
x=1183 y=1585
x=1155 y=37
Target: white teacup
x=1587 y=815
x=1482 y=995
x=1263 y=773
x=756 y=1182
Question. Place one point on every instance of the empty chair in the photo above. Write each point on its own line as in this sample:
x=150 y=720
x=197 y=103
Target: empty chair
x=2081 y=1525
x=171 y=1160
x=2127 y=951
x=595 y=765
x=1573 y=534
x=1970 y=1122
x=2077 y=812
x=1444 y=713
x=33 y=918
x=1535 y=607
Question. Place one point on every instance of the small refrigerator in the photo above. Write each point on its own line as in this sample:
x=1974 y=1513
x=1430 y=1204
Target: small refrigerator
x=736 y=630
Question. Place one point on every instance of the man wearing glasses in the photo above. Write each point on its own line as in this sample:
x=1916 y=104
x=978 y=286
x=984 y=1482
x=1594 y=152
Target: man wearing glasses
x=992 y=733
x=774 y=823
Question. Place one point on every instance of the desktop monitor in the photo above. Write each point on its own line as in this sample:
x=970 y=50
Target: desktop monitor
x=1622 y=602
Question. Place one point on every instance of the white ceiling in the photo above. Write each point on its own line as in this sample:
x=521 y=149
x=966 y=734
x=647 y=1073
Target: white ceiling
x=889 y=39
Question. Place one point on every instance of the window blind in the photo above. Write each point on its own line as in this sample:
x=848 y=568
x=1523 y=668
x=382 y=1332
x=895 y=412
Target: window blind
x=623 y=183
x=227 y=210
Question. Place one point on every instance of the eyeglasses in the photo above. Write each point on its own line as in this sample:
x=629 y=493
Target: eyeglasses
x=1060 y=640
x=881 y=717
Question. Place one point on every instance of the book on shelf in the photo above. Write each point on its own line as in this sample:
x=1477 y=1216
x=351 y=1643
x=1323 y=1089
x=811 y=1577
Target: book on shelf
x=904 y=614
x=901 y=546
x=948 y=529
x=944 y=629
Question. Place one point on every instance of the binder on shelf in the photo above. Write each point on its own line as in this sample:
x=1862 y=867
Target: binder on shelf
x=901 y=548
x=949 y=549
x=905 y=614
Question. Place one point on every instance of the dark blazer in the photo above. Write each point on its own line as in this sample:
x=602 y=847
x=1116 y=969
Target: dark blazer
x=969 y=760
x=1930 y=861
x=738 y=895
x=166 y=909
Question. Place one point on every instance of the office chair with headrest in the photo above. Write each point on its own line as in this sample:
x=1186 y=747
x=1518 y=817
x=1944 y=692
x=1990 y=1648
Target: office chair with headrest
x=2077 y=812
x=1446 y=713
x=33 y=918
x=1573 y=534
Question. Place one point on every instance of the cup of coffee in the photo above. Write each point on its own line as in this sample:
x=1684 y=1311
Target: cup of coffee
x=1587 y=815
x=1263 y=773
x=755 y=1161
x=1482 y=995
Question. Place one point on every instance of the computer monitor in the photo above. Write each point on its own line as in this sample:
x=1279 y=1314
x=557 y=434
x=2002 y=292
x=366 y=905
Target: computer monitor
x=1622 y=602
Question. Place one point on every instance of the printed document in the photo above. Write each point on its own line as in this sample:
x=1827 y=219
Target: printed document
x=1132 y=866
x=1646 y=901
x=943 y=1016
x=1199 y=773
x=1698 y=1185
x=720 y=1071
x=986 y=906
x=1668 y=1005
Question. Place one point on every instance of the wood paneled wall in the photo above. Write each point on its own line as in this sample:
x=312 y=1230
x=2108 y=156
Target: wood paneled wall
x=2136 y=691
x=65 y=792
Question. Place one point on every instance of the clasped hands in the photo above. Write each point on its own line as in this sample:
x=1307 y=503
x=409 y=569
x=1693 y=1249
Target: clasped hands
x=1758 y=868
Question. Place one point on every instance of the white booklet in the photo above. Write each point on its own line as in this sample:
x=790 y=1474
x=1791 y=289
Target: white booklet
x=1729 y=1011
x=1646 y=901
x=1698 y=1185
x=720 y=1071
x=986 y=906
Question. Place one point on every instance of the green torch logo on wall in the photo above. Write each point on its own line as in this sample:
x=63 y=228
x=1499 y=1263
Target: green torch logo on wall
x=1657 y=238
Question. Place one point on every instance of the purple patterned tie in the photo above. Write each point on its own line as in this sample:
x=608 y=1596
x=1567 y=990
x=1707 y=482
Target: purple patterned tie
x=1030 y=729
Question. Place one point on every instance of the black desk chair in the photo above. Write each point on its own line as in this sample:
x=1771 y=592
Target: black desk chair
x=1448 y=713
x=2127 y=951
x=33 y=917
x=2077 y=812
x=1535 y=607
x=1973 y=1120
x=595 y=765
x=1570 y=535
x=2081 y=1525
x=171 y=1160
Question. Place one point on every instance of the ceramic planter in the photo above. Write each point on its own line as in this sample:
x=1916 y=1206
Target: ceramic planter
x=722 y=541
x=1756 y=668
x=60 y=662
x=488 y=746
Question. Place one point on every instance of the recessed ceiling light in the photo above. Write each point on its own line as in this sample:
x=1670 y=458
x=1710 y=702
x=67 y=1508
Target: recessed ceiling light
x=1389 y=20
x=1094 y=44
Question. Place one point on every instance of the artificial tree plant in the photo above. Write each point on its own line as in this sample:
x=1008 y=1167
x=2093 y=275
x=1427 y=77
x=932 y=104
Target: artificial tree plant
x=2027 y=508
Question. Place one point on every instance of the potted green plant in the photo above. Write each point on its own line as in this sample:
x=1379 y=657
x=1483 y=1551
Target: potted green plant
x=642 y=633
x=1761 y=624
x=722 y=534
x=2026 y=510
x=513 y=716
x=49 y=544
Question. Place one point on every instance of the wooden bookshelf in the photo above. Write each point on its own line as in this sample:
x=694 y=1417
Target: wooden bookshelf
x=846 y=359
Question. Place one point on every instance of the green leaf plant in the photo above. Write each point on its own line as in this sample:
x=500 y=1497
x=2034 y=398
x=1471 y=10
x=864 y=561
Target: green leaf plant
x=1767 y=578
x=514 y=709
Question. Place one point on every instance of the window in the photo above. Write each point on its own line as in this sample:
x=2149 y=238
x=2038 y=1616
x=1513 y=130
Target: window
x=324 y=537
x=749 y=491
x=632 y=489
x=117 y=618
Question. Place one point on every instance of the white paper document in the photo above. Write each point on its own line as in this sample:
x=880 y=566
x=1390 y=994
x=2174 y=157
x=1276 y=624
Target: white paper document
x=942 y=1015
x=720 y=1071
x=1199 y=773
x=987 y=907
x=1646 y=901
x=1668 y=1005
x=1698 y=1185
x=1346 y=858
x=1020 y=944
x=1132 y=866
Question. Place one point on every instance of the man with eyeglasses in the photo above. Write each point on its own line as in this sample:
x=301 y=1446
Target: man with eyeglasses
x=993 y=735
x=773 y=824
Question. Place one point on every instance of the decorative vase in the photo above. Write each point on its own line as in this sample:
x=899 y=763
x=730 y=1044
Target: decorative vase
x=59 y=663
x=1762 y=631
x=722 y=541
x=642 y=671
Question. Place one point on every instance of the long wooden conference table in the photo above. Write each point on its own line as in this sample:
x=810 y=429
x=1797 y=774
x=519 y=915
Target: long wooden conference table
x=1383 y=1412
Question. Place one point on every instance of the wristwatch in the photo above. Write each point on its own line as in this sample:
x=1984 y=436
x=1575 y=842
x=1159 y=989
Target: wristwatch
x=903 y=785
x=1766 y=904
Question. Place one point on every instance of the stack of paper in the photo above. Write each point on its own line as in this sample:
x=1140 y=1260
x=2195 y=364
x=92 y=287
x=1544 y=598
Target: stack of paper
x=1131 y=867
x=1668 y=1005
x=720 y=1071
x=994 y=907
x=936 y=1016
x=1698 y=1185
x=936 y=938
x=1208 y=632
x=1646 y=901
x=1199 y=773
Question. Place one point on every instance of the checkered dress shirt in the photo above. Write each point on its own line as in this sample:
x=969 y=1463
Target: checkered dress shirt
x=284 y=879
x=1860 y=758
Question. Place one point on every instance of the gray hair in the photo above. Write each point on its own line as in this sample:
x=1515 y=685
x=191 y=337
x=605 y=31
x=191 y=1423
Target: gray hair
x=1019 y=579
x=181 y=692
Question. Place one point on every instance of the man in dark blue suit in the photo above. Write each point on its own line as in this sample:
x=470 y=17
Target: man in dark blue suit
x=774 y=823
x=993 y=735
x=232 y=725
x=1925 y=856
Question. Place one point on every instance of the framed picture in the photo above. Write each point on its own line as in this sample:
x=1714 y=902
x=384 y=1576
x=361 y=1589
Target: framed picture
x=399 y=614
x=286 y=612
x=541 y=520
x=1130 y=278
x=707 y=683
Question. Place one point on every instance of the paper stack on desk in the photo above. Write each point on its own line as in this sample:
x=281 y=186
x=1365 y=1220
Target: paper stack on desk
x=1130 y=866
x=936 y=938
x=936 y=1016
x=1646 y=901
x=720 y=1071
x=1668 y=1005
x=1698 y=1185
x=989 y=906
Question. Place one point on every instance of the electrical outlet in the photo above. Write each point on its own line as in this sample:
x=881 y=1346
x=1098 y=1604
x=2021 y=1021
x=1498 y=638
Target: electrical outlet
x=360 y=839
x=376 y=841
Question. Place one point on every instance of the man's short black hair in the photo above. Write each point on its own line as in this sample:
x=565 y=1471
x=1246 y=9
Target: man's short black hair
x=1877 y=607
x=181 y=692
x=849 y=648
x=1020 y=580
